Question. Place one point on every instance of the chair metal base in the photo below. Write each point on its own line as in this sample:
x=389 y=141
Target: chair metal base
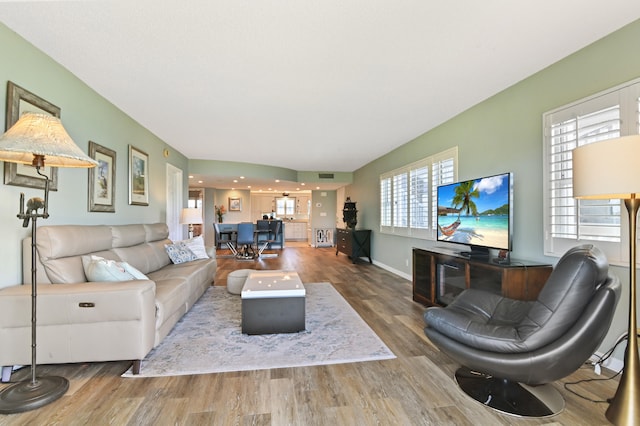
x=28 y=395
x=508 y=397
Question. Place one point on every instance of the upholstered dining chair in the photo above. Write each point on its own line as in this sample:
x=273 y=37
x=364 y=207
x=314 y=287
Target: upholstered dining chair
x=274 y=230
x=511 y=350
x=245 y=240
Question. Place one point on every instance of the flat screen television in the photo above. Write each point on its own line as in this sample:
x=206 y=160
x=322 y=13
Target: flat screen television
x=477 y=213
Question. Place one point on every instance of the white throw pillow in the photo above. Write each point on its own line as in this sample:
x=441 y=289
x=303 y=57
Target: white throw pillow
x=196 y=245
x=133 y=271
x=99 y=269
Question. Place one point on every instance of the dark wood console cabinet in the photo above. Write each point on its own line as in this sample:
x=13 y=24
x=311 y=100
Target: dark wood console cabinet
x=439 y=275
x=355 y=243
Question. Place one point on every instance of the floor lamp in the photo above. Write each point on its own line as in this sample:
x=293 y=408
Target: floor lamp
x=191 y=216
x=36 y=139
x=609 y=170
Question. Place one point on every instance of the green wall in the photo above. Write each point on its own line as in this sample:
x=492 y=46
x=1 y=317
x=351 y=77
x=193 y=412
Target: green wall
x=504 y=133
x=86 y=116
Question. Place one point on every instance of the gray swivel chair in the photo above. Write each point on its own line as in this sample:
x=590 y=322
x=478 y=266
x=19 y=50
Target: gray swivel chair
x=511 y=350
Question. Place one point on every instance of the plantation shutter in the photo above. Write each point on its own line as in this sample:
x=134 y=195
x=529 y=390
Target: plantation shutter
x=385 y=201
x=611 y=114
x=408 y=193
x=443 y=172
x=400 y=200
x=581 y=219
x=419 y=196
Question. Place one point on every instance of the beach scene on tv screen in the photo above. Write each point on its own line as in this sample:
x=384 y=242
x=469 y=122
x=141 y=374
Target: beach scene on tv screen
x=475 y=212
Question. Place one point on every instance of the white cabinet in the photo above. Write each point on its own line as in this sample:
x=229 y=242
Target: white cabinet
x=295 y=231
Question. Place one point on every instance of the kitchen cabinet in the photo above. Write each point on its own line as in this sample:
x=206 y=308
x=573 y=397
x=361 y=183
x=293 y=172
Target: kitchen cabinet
x=295 y=231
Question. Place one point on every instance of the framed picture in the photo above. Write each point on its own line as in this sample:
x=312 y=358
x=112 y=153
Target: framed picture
x=235 y=204
x=138 y=177
x=20 y=101
x=102 y=179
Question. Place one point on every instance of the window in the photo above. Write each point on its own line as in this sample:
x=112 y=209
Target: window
x=408 y=195
x=568 y=221
x=285 y=206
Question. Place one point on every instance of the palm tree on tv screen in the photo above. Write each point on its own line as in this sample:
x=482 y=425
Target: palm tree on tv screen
x=462 y=198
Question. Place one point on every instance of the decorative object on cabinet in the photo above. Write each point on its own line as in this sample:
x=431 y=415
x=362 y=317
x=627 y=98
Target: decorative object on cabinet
x=354 y=243
x=619 y=157
x=138 y=177
x=34 y=139
x=235 y=204
x=19 y=101
x=350 y=214
x=191 y=216
x=102 y=179
x=439 y=275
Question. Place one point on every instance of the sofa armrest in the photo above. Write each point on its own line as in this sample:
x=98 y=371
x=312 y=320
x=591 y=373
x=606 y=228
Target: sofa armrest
x=83 y=322
x=78 y=303
x=211 y=251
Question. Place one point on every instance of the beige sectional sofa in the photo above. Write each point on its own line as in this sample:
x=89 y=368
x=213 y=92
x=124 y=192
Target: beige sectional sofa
x=82 y=321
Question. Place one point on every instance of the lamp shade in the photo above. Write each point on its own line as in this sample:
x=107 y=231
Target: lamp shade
x=607 y=169
x=43 y=135
x=191 y=216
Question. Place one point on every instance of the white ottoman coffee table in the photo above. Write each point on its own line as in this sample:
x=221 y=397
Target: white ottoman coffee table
x=273 y=302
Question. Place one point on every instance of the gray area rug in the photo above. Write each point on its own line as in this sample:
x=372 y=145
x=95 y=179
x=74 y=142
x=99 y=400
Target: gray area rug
x=208 y=339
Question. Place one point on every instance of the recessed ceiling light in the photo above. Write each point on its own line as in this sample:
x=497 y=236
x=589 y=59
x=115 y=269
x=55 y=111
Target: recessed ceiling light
x=190 y=176
x=199 y=181
x=277 y=180
x=241 y=177
x=235 y=181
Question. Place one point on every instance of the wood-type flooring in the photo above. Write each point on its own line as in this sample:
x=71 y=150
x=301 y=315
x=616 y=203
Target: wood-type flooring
x=416 y=388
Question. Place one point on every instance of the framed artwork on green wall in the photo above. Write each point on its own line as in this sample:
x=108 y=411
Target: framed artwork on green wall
x=19 y=101
x=102 y=179
x=138 y=177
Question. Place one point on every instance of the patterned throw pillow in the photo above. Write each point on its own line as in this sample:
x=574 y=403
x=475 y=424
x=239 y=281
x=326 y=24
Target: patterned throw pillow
x=179 y=252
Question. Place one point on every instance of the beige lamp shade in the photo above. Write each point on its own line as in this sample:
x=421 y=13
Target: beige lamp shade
x=191 y=216
x=607 y=170
x=42 y=135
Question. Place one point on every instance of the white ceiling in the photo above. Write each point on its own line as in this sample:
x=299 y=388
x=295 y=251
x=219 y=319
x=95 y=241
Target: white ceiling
x=322 y=85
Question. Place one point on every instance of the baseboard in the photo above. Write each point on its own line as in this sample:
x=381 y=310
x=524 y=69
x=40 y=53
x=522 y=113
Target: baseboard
x=393 y=271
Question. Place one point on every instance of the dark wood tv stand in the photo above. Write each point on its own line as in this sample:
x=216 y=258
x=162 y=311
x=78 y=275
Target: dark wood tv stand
x=439 y=274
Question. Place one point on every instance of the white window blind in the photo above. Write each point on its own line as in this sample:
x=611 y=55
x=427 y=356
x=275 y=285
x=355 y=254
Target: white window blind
x=419 y=197
x=407 y=195
x=385 y=201
x=568 y=221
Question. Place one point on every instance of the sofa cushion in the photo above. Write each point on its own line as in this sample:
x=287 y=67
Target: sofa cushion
x=128 y=235
x=60 y=247
x=147 y=257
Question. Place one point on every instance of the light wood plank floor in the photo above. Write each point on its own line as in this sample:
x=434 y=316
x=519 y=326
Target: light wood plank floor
x=415 y=389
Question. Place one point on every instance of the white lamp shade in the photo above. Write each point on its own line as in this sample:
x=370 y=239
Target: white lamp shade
x=607 y=169
x=41 y=134
x=191 y=216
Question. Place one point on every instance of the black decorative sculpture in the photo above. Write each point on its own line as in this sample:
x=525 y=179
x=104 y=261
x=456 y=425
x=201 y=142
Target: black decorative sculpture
x=349 y=213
